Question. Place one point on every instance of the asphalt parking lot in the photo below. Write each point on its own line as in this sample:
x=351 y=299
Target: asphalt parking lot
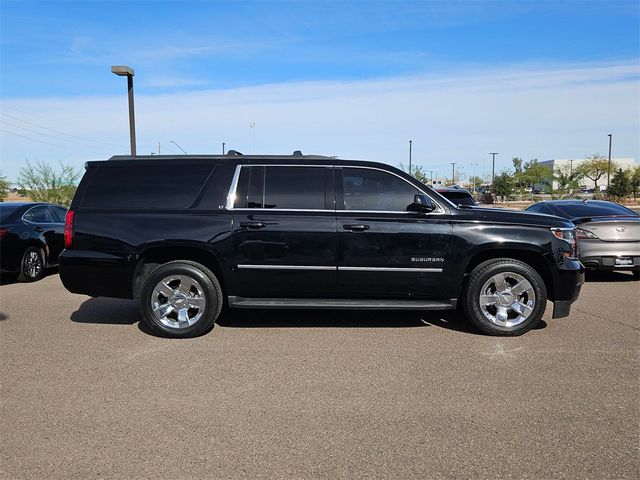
x=85 y=393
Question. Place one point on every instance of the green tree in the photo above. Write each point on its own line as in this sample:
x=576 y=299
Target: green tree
x=621 y=185
x=45 y=184
x=536 y=174
x=4 y=187
x=528 y=174
x=519 y=180
x=594 y=168
x=503 y=185
x=417 y=172
x=568 y=180
x=477 y=181
x=635 y=182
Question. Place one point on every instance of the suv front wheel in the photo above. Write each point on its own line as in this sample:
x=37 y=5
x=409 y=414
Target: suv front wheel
x=504 y=297
x=180 y=299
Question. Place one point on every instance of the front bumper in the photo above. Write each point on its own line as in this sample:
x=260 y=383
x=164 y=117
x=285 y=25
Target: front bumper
x=568 y=281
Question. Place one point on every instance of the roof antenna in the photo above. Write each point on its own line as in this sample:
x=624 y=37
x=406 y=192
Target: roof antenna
x=297 y=153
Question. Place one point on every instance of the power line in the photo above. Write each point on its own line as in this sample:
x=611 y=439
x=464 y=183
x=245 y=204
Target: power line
x=47 y=135
x=58 y=131
x=48 y=143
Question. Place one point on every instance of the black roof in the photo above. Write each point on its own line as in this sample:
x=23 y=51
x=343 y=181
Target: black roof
x=128 y=160
x=578 y=202
x=297 y=155
x=23 y=204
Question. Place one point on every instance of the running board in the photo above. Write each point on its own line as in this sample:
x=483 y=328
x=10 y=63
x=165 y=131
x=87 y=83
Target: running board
x=341 y=304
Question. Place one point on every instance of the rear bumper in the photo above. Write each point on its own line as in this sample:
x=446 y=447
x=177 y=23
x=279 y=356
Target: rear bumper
x=599 y=255
x=98 y=274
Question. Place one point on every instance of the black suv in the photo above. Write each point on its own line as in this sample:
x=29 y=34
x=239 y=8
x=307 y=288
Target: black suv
x=187 y=234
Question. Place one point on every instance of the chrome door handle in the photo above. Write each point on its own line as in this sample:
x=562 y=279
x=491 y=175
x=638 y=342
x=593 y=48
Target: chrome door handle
x=252 y=225
x=356 y=228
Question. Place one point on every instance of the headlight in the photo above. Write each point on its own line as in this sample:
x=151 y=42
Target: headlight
x=569 y=236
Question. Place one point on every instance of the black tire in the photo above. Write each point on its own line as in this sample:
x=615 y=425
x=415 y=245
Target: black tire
x=483 y=275
x=31 y=265
x=636 y=274
x=199 y=283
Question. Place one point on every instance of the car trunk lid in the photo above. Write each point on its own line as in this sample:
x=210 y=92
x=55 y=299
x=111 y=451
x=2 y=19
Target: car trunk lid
x=612 y=229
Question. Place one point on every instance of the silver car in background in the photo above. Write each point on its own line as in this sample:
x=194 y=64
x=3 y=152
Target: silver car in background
x=608 y=233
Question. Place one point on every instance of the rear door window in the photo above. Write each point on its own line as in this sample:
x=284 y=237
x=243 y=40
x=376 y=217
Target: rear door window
x=40 y=214
x=284 y=188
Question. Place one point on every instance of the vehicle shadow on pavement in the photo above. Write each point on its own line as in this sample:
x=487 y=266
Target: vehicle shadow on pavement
x=608 y=276
x=125 y=312
x=450 y=320
x=107 y=311
x=11 y=278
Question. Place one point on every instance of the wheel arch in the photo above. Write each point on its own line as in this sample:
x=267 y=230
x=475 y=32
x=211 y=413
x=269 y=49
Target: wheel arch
x=154 y=256
x=532 y=258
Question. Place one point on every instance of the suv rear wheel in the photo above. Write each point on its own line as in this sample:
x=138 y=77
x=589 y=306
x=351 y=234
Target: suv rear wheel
x=504 y=297
x=180 y=299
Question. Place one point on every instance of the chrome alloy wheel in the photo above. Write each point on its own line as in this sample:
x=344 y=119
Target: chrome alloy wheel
x=178 y=301
x=507 y=299
x=33 y=264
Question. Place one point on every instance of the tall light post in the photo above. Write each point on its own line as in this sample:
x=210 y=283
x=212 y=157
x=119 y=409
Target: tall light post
x=124 y=71
x=493 y=167
x=252 y=125
x=474 y=165
x=453 y=173
x=609 y=164
x=431 y=172
x=171 y=141
x=410 y=145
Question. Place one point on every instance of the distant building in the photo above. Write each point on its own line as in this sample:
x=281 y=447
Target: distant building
x=438 y=182
x=568 y=164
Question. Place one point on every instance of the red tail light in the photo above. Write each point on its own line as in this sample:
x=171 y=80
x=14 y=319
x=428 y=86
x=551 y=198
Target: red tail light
x=585 y=234
x=68 y=229
x=4 y=231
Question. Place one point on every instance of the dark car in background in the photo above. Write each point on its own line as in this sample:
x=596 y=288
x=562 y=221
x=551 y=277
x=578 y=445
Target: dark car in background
x=31 y=238
x=608 y=233
x=457 y=196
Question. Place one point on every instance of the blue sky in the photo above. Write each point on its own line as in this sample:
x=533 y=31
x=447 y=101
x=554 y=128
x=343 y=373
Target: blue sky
x=401 y=65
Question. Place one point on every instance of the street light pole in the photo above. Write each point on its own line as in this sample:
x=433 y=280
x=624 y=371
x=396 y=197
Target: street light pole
x=493 y=167
x=171 y=141
x=474 y=175
x=124 y=71
x=410 y=145
x=609 y=164
x=453 y=173
x=431 y=172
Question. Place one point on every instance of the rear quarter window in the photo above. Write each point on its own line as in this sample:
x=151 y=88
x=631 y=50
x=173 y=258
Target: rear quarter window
x=149 y=187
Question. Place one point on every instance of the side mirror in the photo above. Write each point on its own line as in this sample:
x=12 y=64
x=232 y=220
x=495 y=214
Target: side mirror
x=421 y=203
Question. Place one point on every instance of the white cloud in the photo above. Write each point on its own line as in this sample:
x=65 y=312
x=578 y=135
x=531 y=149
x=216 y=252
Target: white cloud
x=528 y=111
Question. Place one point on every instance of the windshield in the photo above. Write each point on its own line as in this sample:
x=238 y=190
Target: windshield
x=573 y=210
